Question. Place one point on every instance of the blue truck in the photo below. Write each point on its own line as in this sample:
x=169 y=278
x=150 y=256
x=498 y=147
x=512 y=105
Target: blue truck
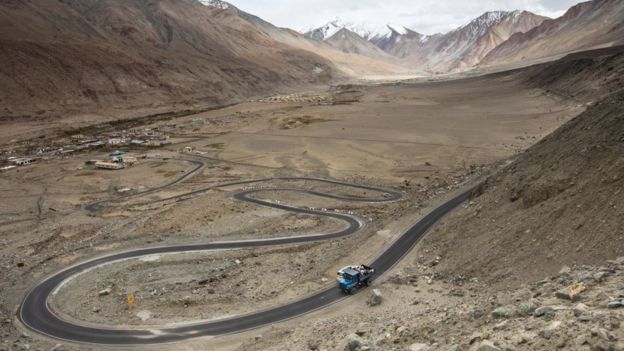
x=351 y=278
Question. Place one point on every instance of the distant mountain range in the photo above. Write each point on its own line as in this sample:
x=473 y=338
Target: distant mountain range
x=494 y=38
x=120 y=57
x=457 y=50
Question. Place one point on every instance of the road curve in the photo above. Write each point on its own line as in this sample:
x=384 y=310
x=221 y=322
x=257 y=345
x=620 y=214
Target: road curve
x=35 y=314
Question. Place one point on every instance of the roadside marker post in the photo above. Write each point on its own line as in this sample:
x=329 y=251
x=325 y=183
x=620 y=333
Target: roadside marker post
x=131 y=300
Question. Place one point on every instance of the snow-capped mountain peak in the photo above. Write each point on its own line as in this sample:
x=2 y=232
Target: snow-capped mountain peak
x=326 y=31
x=365 y=30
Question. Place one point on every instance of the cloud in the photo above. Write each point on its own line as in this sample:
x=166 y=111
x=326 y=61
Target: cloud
x=425 y=16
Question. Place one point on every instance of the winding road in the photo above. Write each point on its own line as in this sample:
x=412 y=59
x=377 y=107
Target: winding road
x=36 y=315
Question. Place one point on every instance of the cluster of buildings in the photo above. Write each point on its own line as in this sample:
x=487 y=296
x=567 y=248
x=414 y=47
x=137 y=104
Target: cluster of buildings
x=118 y=160
x=139 y=137
x=134 y=137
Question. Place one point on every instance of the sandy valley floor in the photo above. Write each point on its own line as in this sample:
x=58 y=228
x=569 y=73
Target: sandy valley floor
x=428 y=139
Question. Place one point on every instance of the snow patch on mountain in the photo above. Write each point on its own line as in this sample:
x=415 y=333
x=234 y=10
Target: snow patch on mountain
x=398 y=29
x=216 y=3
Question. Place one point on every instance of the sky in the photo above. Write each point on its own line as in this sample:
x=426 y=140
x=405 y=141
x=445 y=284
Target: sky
x=424 y=16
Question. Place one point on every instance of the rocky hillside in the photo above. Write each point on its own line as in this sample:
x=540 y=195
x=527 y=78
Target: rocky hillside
x=584 y=26
x=585 y=76
x=417 y=313
x=60 y=58
x=561 y=202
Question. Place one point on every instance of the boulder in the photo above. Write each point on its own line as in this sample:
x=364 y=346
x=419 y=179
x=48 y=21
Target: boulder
x=600 y=276
x=353 y=342
x=572 y=293
x=528 y=307
x=144 y=315
x=602 y=334
x=503 y=312
x=105 y=292
x=580 y=309
x=475 y=314
x=487 y=345
x=419 y=347
x=548 y=332
x=544 y=311
x=313 y=345
x=585 y=276
x=375 y=298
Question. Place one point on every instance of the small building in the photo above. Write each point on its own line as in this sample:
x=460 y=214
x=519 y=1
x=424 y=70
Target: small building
x=23 y=161
x=109 y=165
x=129 y=160
x=116 y=141
x=92 y=162
x=97 y=143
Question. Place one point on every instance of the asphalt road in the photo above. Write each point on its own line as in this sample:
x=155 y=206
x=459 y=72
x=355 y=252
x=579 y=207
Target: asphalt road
x=35 y=314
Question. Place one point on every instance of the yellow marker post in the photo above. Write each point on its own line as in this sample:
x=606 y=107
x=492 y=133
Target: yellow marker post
x=131 y=300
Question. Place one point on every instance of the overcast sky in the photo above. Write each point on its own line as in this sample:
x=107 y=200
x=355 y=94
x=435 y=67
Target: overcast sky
x=424 y=16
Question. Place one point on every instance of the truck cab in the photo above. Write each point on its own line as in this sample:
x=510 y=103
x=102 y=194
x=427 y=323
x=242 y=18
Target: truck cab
x=351 y=278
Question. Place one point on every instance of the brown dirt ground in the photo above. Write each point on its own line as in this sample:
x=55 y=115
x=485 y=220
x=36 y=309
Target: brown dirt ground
x=426 y=138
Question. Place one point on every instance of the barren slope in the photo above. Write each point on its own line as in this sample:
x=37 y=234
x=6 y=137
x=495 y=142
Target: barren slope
x=129 y=57
x=561 y=202
x=466 y=46
x=585 y=26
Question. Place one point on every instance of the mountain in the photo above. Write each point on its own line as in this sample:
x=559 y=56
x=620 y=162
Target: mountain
x=457 y=50
x=466 y=46
x=363 y=39
x=393 y=37
x=584 y=26
x=350 y=42
x=378 y=35
x=364 y=30
x=356 y=59
x=118 y=58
